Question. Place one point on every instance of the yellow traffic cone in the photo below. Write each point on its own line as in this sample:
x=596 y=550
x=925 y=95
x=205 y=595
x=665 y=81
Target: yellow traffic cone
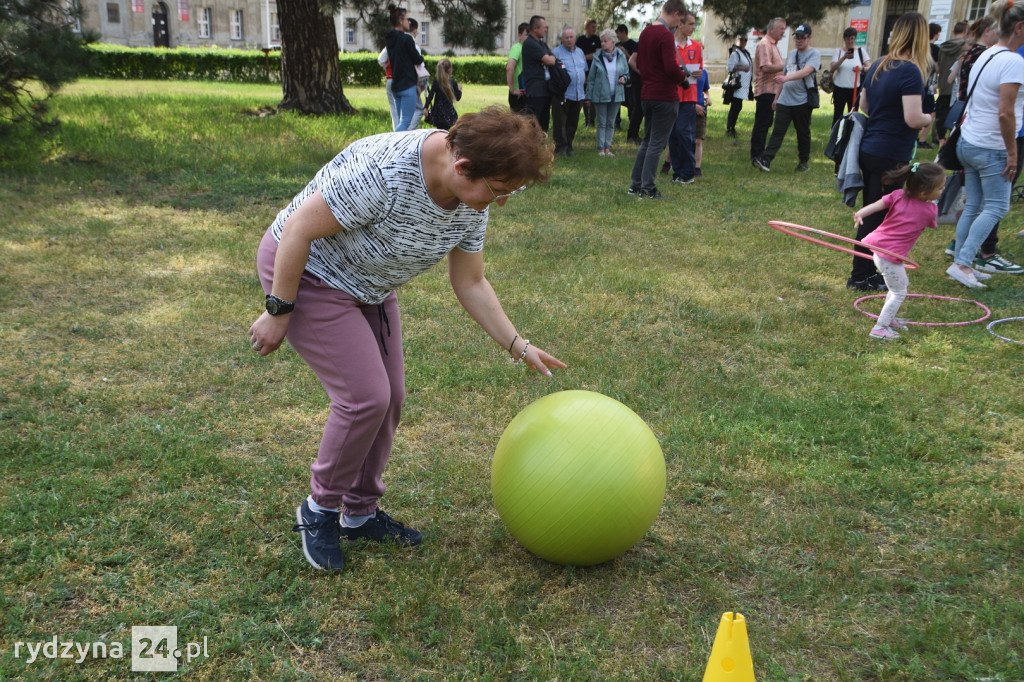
x=730 y=659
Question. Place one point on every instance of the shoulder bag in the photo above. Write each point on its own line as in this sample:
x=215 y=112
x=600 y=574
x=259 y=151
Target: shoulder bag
x=730 y=86
x=947 y=156
x=826 y=81
x=813 y=98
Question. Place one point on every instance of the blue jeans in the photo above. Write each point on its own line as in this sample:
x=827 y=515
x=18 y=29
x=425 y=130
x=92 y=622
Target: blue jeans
x=391 y=104
x=683 y=141
x=405 y=102
x=659 y=117
x=988 y=198
x=606 y=123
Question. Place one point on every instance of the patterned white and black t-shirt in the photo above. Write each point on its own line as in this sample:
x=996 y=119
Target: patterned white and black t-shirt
x=393 y=230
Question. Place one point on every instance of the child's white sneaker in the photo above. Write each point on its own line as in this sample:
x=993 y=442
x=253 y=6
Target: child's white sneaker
x=898 y=323
x=883 y=333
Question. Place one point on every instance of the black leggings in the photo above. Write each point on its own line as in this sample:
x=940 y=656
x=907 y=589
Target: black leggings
x=734 y=113
x=842 y=101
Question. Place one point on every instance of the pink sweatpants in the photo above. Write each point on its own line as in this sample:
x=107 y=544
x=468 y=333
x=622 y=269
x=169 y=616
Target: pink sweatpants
x=356 y=352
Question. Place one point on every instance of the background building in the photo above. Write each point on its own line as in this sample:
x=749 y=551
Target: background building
x=252 y=24
x=243 y=24
x=873 y=20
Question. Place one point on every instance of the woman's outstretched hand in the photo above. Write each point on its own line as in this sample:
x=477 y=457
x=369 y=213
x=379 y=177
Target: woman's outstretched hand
x=542 y=361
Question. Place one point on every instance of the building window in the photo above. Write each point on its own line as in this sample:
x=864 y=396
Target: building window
x=236 y=24
x=183 y=10
x=425 y=33
x=204 y=22
x=350 y=31
x=976 y=10
x=275 y=28
x=113 y=13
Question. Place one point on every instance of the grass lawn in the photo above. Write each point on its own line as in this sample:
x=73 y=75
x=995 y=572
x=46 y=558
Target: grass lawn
x=859 y=502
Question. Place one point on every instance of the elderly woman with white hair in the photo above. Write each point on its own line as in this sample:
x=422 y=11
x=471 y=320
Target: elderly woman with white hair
x=609 y=73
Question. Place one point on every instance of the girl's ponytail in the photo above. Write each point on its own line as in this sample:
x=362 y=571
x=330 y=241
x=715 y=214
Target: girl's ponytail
x=918 y=178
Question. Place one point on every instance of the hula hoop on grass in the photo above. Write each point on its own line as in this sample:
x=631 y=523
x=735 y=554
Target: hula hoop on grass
x=988 y=312
x=782 y=227
x=1007 y=319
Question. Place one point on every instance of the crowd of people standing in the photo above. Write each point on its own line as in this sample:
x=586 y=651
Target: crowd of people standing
x=659 y=84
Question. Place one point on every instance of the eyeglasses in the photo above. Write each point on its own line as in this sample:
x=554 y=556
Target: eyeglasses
x=503 y=196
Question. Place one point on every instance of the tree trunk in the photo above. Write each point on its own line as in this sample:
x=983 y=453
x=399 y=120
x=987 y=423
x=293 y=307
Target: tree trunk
x=310 y=78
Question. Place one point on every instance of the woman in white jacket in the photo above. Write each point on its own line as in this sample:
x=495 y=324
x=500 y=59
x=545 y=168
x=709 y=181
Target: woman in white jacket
x=742 y=63
x=849 y=63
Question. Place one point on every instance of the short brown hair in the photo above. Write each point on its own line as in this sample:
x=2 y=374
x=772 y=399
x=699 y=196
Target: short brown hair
x=502 y=144
x=674 y=7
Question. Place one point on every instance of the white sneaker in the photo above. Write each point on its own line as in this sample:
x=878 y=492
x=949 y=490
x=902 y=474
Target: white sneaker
x=884 y=333
x=967 y=279
x=981 y=276
x=600 y=152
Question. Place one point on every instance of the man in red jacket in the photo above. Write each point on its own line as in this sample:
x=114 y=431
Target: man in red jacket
x=655 y=59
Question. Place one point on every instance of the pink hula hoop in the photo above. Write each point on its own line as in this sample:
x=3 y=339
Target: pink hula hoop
x=781 y=227
x=988 y=311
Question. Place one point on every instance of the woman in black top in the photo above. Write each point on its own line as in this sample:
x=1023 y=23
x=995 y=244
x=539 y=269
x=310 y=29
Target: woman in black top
x=404 y=57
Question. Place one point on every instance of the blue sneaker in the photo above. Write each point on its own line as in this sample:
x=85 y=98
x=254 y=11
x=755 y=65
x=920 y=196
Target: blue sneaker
x=381 y=527
x=320 y=537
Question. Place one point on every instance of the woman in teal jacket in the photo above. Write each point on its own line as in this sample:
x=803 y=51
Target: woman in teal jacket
x=609 y=72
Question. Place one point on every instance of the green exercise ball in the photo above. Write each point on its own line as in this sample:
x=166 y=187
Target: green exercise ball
x=578 y=478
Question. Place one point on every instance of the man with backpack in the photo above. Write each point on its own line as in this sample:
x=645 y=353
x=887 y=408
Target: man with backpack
x=536 y=58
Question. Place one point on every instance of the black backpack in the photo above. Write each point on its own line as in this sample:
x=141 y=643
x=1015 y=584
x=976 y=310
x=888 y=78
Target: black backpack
x=559 y=79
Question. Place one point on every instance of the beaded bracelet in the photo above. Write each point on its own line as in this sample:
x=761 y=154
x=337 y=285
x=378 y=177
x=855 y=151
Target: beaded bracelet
x=522 y=356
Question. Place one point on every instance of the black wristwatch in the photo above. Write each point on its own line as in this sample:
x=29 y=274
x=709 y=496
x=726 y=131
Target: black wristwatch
x=279 y=306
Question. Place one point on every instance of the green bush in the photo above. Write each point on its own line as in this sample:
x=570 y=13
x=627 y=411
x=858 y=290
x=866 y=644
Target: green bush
x=150 y=63
x=253 y=66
